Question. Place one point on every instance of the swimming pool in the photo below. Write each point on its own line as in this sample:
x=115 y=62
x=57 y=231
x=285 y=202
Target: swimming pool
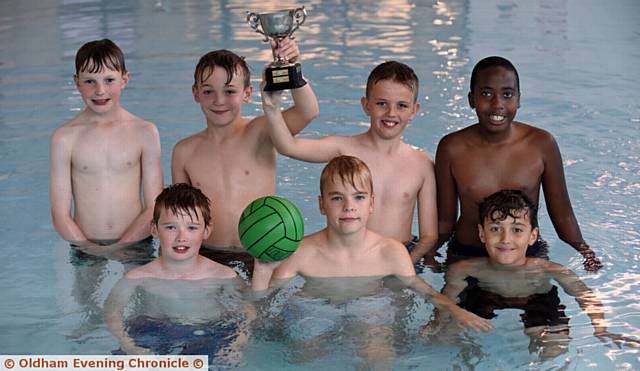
x=578 y=63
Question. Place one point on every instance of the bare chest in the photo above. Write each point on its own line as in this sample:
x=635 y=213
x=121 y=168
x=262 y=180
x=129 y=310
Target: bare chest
x=230 y=166
x=481 y=173
x=106 y=152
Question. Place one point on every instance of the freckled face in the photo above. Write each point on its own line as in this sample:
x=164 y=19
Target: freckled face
x=101 y=91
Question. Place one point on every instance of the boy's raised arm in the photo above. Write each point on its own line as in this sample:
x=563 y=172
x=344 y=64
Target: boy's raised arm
x=305 y=107
x=559 y=204
x=152 y=183
x=446 y=193
x=310 y=150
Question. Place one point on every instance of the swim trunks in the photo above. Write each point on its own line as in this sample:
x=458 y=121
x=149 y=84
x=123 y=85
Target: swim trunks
x=539 y=309
x=166 y=337
x=139 y=253
x=457 y=251
x=411 y=244
x=241 y=262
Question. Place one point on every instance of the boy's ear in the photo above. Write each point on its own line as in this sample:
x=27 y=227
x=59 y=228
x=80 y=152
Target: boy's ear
x=125 y=79
x=472 y=102
x=207 y=232
x=248 y=91
x=372 y=203
x=194 y=91
x=365 y=105
x=321 y=205
x=154 y=230
x=534 y=236
x=481 y=233
x=76 y=81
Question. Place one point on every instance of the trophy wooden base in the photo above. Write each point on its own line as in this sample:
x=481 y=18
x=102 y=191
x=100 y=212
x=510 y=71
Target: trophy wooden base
x=288 y=76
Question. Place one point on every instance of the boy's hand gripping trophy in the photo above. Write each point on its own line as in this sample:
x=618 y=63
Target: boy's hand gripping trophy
x=281 y=75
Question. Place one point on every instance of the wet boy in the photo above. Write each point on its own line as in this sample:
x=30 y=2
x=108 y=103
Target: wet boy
x=181 y=221
x=233 y=159
x=404 y=174
x=500 y=153
x=347 y=247
x=507 y=278
x=102 y=159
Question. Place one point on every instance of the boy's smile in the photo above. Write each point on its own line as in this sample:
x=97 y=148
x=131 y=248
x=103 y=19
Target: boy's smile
x=220 y=102
x=391 y=106
x=507 y=240
x=495 y=98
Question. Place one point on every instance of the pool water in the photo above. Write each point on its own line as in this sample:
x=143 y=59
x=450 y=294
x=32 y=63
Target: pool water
x=578 y=63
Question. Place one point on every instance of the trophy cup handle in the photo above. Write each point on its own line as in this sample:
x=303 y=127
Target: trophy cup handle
x=254 y=20
x=299 y=15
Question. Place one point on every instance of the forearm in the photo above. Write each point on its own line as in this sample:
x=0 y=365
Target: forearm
x=261 y=277
x=280 y=135
x=425 y=245
x=138 y=230
x=68 y=229
x=305 y=107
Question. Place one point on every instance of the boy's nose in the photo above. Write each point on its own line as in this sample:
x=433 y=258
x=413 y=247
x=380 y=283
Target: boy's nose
x=100 y=88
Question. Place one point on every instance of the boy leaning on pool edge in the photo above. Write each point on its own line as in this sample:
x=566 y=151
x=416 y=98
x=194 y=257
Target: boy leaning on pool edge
x=404 y=174
x=233 y=159
x=500 y=153
x=102 y=159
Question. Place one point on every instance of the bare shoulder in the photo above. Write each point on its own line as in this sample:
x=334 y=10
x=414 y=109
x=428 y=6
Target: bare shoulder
x=394 y=254
x=468 y=266
x=212 y=269
x=145 y=271
x=189 y=143
x=540 y=264
x=66 y=131
x=534 y=134
x=456 y=140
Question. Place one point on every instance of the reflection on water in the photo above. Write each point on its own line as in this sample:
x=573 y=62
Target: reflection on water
x=578 y=68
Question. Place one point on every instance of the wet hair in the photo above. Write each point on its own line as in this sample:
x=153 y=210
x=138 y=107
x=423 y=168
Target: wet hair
x=508 y=203
x=95 y=56
x=394 y=71
x=489 y=62
x=232 y=63
x=182 y=198
x=349 y=169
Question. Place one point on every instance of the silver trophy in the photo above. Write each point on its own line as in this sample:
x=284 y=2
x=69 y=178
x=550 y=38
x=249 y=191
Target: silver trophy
x=277 y=25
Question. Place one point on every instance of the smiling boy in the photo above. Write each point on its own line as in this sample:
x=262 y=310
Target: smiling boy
x=233 y=160
x=102 y=159
x=404 y=174
x=185 y=285
x=507 y=278
x=500 y=153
